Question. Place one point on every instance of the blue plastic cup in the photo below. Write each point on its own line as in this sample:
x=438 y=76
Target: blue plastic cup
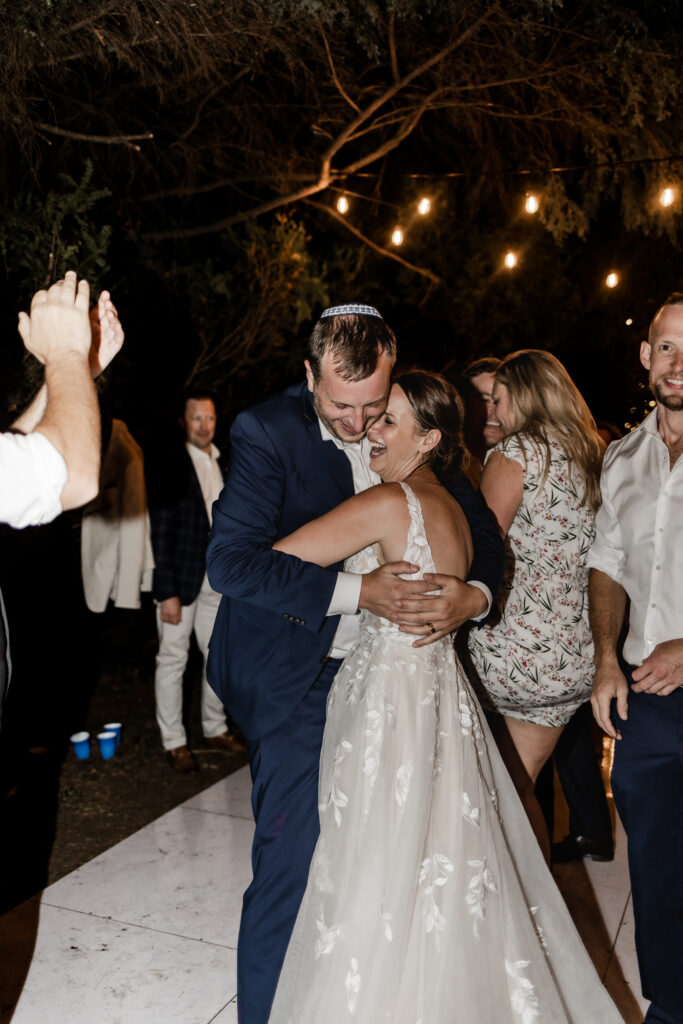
x=81 y=742
x=107 y=742
x=114 y=727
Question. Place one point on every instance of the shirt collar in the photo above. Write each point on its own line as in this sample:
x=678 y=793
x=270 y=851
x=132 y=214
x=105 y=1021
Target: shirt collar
x=327 y=435
x=213 y=453
x=651 y=423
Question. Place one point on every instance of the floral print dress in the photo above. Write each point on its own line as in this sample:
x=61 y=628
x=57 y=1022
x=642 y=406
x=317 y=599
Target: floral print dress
x=428 y=899
x=535 y=661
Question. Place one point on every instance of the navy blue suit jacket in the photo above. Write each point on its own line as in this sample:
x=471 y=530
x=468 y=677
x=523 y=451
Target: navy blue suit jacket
x=271 y=631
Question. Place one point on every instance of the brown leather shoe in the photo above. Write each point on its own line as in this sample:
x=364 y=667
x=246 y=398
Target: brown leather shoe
x=181 y=759
x=227 y=741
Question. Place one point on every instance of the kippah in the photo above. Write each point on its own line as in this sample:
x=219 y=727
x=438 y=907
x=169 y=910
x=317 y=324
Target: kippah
x=353 y=309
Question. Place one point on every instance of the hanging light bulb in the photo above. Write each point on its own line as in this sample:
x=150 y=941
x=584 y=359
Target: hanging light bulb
x=397 y=236
x=424 y=206
x=667 y=196
x=612 y=279
x=343 y=204
x=510 y=259
x=531 y=203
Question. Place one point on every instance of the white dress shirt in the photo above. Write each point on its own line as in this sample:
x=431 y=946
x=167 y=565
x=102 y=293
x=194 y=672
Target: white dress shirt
x=347 y=591
x=210 y=481
x=208 y=473
x=639 y=539
x=32 y=477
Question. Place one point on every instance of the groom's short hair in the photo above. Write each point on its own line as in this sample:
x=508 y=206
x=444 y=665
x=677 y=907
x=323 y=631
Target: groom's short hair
x=354 y=342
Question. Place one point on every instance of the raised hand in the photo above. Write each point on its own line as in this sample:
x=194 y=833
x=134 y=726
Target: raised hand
x=59 y=320
x=107 y=334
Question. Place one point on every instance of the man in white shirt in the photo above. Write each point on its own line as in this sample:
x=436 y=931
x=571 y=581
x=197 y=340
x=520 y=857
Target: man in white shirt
x=185 y=601
x=50 y=459
x=638 y=554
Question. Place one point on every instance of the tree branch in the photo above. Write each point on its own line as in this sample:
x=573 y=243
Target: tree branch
x=392 y=49
x=109 y=140
x=340 y=88
x=373 y=245
x=325 y=175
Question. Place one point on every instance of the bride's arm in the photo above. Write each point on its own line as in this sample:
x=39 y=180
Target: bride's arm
x=364 y=519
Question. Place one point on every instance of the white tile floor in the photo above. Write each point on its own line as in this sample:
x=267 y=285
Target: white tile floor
x=147 y=931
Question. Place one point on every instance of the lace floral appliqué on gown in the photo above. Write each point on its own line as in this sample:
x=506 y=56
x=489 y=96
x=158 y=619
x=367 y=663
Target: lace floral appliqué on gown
x=428 y=900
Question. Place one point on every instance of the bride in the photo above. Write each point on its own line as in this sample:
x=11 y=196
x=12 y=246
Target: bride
x=428 y=899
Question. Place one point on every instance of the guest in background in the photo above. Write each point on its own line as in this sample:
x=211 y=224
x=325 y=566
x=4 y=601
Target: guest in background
x=542 y=484
x=116 y=548
x=181 y=518
x=482 y=427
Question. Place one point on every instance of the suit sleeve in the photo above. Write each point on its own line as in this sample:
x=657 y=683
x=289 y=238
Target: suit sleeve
x=246 y=522
x=488 y=562
x=164 y=526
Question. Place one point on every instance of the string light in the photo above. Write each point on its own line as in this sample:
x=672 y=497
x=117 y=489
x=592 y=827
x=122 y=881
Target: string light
x=667 y=196
x=629 y=322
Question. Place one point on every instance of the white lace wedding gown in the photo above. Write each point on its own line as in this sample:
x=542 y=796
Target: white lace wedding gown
x=428 y=900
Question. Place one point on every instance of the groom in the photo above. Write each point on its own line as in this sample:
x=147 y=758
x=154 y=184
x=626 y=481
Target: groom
x=284 y=625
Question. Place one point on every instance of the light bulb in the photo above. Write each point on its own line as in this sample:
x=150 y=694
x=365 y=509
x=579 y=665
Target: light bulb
x=510 y=260
x=531 y=203
x=424 y=206
x=397 y=236
x=667 y=196
x=629 y=322
x=612 y=280
x=343 y=204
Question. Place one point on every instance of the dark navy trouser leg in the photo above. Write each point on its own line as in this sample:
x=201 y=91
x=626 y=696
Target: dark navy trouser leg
x=284 y=767
x=647 y=782
x=579 y=772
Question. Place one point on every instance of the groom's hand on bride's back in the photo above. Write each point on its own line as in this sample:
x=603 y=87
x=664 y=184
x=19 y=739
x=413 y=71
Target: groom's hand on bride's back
x=439 y=614
x=382 y=591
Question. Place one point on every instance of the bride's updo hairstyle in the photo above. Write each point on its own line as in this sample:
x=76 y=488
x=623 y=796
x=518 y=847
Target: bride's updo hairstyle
x=437 y=406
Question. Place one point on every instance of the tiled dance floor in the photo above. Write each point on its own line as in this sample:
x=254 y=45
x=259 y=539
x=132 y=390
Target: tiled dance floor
x=146 y=932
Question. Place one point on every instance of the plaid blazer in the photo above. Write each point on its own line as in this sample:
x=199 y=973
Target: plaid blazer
x=180 y=530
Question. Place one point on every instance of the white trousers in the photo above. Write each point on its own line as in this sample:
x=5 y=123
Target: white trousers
x=174 y=644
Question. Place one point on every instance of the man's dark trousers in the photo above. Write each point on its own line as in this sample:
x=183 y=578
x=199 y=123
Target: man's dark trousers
x=284 y=767
x=647 y=783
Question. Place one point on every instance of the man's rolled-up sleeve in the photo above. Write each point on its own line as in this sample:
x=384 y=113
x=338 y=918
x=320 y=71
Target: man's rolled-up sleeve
x=607 y=552
x=32 y=477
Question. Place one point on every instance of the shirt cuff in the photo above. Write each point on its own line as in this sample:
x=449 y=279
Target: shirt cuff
x=346 y=594
x=607 y=560
x=487 y=594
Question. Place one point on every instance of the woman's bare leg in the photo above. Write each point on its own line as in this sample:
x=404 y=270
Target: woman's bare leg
x=525 y=747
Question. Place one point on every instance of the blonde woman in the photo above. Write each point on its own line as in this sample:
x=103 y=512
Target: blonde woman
x=542 y=482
